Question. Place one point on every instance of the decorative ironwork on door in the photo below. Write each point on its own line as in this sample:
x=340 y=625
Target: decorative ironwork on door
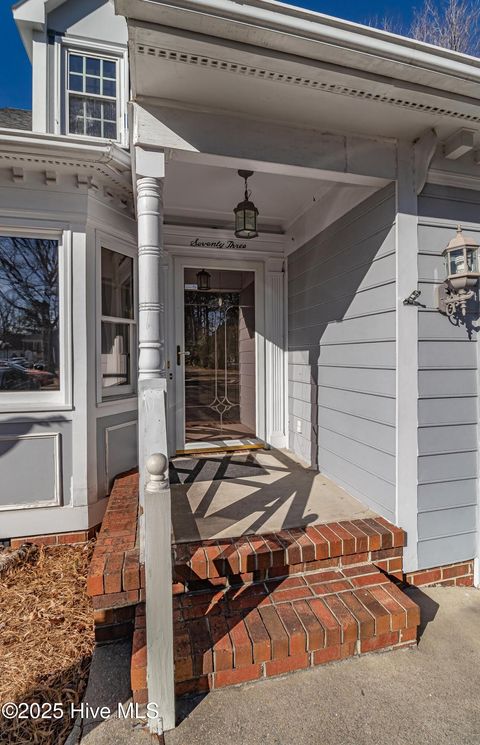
x=219 y=364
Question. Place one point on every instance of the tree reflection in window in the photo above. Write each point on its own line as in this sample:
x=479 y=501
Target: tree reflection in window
x=29 y=314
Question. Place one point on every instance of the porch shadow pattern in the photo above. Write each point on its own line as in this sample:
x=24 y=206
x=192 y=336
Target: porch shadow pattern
x=262 y=492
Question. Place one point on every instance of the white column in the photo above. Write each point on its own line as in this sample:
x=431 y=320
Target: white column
x=275 y=353
x=150 y=252
x=407 y=353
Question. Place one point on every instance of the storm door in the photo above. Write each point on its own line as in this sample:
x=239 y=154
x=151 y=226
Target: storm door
x=219 y=355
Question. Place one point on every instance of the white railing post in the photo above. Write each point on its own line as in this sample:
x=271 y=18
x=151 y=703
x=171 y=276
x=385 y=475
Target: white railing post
x=158 y=580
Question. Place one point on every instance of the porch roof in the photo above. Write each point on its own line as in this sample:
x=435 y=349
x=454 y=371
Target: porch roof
x=386 y=84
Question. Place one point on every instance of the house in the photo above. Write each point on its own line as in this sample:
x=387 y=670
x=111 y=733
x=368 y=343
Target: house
x=315 y=320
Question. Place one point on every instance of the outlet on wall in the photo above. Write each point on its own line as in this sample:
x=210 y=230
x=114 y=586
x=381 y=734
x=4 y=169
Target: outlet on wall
x=299 y=426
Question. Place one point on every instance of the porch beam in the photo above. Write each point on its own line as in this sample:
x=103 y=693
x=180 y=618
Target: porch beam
x=217 y=138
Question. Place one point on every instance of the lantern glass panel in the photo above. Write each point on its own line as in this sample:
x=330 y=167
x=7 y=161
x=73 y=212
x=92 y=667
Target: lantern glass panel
x=456 y=261
x=250 y=220
x=472 y=259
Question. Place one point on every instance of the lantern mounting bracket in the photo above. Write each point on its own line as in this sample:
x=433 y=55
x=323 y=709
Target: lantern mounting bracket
x=412 y=299
x=450 y=301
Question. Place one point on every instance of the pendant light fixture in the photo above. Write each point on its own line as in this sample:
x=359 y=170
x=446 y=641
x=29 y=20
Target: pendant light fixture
x=203 y=280
x=246 y=212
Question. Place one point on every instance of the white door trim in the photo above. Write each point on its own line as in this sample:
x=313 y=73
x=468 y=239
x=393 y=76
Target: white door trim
x=178 y=335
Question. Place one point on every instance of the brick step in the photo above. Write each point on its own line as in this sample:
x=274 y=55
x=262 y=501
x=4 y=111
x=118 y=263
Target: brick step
x=229 y=636
x=256 y=557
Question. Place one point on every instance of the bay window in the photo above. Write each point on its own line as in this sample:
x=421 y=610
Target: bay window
x=117 y=323
x=29 y=315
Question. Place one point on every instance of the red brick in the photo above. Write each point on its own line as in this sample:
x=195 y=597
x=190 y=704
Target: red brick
x=464 y=581
x=412 y=610
x=189 y=687
x=346 y=620
x=201 y=646
x=409 y=635
x=426 y=577
x=242 y=646
x=234 y=677
x=327 y=655
x=287 y=665
x=258 y=635
x=222 y=645
x=354 y=559
x=379 y=642
x=276 y=631
x=382 y=618
x=334 y=542
x=328 y=621
x=313 y=628
x=348 y=540
x=138 y=678
x=297 y=638
x=374 y=537
x=398 y=616
x=365 y=620
x=457 y=570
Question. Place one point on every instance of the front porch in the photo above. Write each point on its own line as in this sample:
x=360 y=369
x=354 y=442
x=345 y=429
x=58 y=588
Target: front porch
x=259 y=589
x=217 y=495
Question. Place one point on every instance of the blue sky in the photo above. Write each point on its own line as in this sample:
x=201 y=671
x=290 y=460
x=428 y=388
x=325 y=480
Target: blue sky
x=15 y=79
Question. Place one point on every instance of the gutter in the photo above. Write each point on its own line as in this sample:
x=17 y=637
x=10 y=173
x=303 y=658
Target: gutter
x=306 y=26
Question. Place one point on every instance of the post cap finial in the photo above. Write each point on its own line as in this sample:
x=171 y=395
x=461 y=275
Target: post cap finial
x=156 y=466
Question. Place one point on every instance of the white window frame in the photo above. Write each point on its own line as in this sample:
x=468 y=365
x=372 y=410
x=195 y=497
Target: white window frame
x=49 y=400
x=116 y=392
x=115 y=53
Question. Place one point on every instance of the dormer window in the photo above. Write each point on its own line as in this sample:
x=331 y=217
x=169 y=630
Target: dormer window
x=92 y=95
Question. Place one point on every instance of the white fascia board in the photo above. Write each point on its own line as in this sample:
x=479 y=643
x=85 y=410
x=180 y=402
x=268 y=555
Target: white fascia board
x=30 y=16
x=311 y=35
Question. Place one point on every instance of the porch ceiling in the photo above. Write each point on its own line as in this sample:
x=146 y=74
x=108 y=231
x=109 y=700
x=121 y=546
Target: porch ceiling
x=203 y=195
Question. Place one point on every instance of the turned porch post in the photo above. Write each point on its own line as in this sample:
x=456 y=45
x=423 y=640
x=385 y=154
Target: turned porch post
x=150 y=252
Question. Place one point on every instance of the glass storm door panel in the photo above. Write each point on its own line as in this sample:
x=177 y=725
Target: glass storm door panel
x=220 y=358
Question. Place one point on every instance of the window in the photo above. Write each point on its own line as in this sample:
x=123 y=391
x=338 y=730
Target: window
x=29 y=314
x=92 y=96
x=118 y=323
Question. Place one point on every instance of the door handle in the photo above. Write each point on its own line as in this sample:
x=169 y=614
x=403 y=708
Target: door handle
x=179 y=355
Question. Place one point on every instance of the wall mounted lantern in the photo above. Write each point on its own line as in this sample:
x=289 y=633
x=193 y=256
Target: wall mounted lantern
x=203 y=280
x=461 y=263
x=246 y=212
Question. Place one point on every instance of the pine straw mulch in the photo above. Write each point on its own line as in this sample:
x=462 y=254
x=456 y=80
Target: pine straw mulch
x=46 y=640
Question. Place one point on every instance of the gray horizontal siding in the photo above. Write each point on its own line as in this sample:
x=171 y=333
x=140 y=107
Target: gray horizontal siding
x=341 y=301
x=448 y=390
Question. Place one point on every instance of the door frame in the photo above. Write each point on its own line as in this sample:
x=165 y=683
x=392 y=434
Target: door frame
x=180 y=263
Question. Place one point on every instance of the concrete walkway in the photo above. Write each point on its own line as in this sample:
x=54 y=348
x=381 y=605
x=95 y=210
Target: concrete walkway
x=411 y=697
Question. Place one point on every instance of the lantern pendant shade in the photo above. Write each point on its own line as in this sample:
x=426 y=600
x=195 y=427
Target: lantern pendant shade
x=246 y=213
x=203 y=280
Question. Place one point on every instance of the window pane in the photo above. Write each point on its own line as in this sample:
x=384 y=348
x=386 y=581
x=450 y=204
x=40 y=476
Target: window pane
x=109 y=70
x=94 y=128
x=76 y=83
x=117 y=284
x=115 y=354
x=109 y=88
x=110 y=111
x=92 y=85
x=94 y=108
x=93 y=66
x=29 y=314
x=110 y=130
x=76 y=63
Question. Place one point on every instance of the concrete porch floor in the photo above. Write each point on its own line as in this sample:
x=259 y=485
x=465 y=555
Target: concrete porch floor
x=262 y=491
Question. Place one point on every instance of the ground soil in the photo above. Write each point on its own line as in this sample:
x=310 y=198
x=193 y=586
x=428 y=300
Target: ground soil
x=46 y=642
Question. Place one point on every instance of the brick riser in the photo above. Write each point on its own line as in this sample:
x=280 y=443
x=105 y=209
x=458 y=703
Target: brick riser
x=253 y=558
x=270 y=628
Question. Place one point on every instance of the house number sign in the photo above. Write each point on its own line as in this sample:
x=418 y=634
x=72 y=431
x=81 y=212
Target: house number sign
x=197 y=243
